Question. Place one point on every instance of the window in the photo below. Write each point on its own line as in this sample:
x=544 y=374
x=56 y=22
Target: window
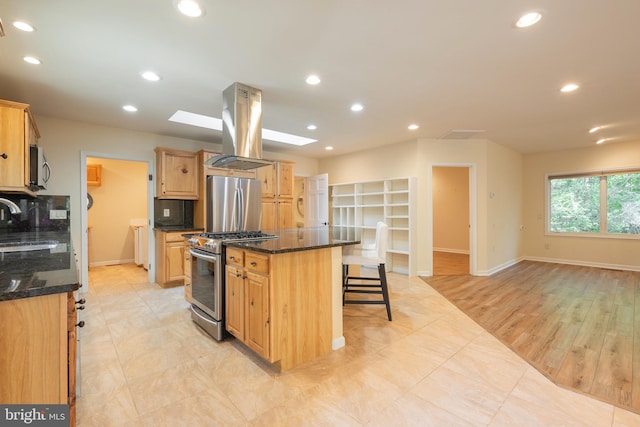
x=606 y=203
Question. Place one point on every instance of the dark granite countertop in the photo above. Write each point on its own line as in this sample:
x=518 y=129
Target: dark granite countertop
x=41 y=272
x=301 y=239
x=174 y=228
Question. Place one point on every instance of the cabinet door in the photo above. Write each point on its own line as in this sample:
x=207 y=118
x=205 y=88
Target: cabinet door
x=269 y=214
x=257 y=313
x=285 y=213
x=234 y=302
x=178 y=175
x=13 y=154
x=285 y=180
x=175 y=261
x=94 y=175
x=266 y=175
x=187 y=275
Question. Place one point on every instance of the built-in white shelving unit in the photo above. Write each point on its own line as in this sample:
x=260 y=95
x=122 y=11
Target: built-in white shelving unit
x=358 y=206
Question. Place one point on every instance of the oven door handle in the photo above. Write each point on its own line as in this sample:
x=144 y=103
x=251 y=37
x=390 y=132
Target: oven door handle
x=203 y=256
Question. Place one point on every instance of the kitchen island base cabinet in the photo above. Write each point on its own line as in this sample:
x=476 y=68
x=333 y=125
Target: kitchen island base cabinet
x=280 y=305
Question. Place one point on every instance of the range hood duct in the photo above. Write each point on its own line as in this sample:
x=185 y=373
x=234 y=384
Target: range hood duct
x=241 y=129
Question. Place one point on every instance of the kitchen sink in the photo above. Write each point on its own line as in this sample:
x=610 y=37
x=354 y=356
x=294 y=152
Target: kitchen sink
x=32 y=245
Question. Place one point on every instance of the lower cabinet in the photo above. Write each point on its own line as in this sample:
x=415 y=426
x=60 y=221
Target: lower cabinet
x=38 y=345
x=170 y=248
x=247 y=299
x=279 y=305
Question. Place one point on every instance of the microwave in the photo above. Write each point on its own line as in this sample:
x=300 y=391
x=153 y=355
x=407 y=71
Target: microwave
x=39 y=170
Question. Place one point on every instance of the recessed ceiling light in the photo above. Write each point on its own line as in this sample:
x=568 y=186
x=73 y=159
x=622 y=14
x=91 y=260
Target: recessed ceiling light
x=214 y=123
x=600 y=141
x=528 y=19
x=190 y=8
x=595 y=129
x=357 y=107
x=130 y=108
x=569 y=87
x=413 y=127
x=150 y=75
x=23 y=26
x=32 y=60
x=329 y=148
x=312 y=79
x=312 y=127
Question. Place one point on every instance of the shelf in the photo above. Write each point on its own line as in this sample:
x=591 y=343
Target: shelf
x=360 y=205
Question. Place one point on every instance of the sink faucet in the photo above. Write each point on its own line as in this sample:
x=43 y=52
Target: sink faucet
x=13 y=208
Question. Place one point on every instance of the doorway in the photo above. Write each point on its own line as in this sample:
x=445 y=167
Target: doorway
x=117 y=207
x=451 y=201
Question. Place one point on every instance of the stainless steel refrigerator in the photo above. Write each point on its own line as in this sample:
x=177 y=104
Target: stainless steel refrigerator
x=234 y=204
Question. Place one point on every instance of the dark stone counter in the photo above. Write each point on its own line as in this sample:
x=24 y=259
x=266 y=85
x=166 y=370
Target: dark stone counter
x=301 y=239
x=40 y=272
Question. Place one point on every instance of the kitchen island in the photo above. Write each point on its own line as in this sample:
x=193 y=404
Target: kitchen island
x=284 y=296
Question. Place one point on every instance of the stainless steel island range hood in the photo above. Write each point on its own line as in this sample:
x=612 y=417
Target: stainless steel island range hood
x=241 y=129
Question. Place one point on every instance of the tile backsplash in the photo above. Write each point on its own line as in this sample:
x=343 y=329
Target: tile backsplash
x=43 y=213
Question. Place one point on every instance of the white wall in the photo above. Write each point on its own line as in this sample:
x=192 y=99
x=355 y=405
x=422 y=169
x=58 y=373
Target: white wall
x=605 y=252
x=417 y=158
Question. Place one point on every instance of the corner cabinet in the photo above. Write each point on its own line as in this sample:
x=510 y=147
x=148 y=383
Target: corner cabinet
x=277 y=183
x=360 y=205
x=177 y=174
x=170 y=258
x=17 y=132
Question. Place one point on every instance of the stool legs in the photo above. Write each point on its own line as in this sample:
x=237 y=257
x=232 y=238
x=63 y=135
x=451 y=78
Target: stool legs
x=366 y=288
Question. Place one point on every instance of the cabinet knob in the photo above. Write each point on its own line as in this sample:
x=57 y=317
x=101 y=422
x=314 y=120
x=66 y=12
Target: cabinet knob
x=239 y=275
x=185 y=170
x=80 y=324
x=253 y=263
x=4 y=155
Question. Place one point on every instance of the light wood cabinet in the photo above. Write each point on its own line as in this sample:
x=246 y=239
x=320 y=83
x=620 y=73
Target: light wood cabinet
x=279 y=305
x=17 y=132
x=187 y=275
x=277 y=183
x=177 y=174
x=38 y=342
x=247 y=299
x=170 y=255
x=94 y=175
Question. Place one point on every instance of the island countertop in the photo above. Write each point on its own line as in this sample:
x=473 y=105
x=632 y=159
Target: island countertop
x=301 y=239
x=39 y=272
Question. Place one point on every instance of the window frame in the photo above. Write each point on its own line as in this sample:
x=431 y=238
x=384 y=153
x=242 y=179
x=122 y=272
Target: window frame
x=603 y=233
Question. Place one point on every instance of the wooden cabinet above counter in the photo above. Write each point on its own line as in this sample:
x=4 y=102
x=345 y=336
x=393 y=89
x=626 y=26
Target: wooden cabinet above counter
x=177 y=174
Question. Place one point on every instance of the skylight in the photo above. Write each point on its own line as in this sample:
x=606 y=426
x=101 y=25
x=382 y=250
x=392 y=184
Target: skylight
x=214 y=123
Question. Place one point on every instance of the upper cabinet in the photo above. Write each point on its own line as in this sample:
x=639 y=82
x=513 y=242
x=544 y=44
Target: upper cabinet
x=17 y=132
x=277 y=195
x=177 y=174
x=94 y=175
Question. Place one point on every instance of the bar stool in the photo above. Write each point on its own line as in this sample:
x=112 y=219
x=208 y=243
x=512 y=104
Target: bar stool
x=367 y=255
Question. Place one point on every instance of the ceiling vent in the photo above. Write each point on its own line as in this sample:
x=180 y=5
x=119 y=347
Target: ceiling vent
x=461 y=134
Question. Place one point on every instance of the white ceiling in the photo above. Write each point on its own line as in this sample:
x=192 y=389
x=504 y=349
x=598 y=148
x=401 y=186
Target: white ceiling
x=443 y=64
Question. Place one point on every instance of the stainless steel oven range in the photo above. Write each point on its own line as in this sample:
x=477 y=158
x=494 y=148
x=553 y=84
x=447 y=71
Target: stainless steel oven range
x=207 y=277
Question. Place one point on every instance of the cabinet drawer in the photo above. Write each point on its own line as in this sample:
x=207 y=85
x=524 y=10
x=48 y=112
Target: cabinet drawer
x=257 y=262
x=174 y=237
x=235 y=257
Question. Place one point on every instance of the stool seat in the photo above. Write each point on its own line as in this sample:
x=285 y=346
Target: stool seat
x=372 y=256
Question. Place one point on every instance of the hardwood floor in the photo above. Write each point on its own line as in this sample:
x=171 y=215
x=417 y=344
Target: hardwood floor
x=448 y=264
x=579 y=326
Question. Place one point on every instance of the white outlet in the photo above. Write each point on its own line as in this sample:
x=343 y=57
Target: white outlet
x=57 y=214
x=167 y=212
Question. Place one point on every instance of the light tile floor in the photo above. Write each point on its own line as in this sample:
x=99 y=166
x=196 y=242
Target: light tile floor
x=144 y=363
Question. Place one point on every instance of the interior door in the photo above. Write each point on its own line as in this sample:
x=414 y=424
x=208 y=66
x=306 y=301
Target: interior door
x=316 y=206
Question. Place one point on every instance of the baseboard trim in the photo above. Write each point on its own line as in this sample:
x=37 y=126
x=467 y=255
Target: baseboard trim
x=452 y=251
x=585 y=263
x=337 y=343
x=112 y=262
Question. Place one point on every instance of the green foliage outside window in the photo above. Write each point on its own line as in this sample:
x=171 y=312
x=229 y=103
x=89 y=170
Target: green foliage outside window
x=575 y=204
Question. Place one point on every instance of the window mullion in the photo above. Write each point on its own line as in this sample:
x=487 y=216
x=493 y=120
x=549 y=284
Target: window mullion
x=603 y=205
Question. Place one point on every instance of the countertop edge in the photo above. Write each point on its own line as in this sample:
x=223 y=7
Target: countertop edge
x=249 y=246
x=36 y=292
